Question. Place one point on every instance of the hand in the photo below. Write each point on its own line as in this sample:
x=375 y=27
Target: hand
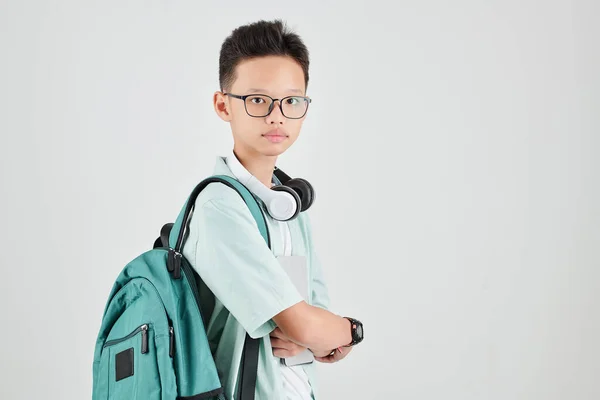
x=282 y=346
x=333 y=356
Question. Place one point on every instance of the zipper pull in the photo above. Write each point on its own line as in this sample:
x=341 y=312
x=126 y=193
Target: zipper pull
x=174 y=263
x=144 y=338
x=171 y=342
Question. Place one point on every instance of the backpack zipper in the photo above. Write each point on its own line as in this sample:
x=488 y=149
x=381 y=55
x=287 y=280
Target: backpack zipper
x=144 y=339
x=171 y=342
x=143 y=329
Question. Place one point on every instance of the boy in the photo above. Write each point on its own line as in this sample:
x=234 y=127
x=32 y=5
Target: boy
x=260 y=62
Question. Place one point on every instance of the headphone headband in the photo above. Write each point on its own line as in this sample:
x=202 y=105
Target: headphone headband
x=282 y=176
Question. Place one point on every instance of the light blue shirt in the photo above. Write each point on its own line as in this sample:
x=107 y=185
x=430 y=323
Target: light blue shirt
x=250 y=287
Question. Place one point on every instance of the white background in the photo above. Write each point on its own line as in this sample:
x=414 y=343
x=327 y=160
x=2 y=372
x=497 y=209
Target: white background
x=452 y=146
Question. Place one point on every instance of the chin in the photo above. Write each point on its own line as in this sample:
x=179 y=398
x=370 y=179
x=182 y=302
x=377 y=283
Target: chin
x=272 y=152
x=274 y=149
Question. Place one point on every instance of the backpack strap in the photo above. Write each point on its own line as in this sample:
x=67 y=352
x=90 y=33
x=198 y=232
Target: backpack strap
x=186 y=214
x=163 y=239
x=249 y=369
x=176 y=240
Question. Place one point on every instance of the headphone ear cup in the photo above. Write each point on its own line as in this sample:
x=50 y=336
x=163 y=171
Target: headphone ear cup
x=283 y=188
x=304 y=190
x=311 y=191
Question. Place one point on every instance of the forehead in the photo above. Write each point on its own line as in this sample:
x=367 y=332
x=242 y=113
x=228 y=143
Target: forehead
x=269 y=75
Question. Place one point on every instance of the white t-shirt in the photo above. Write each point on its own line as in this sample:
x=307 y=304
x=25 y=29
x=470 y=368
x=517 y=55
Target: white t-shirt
x=295 y=381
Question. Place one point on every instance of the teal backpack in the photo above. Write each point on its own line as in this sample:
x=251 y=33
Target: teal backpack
x=152 y=342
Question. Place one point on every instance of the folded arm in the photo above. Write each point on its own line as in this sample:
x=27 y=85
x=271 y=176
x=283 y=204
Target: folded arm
x=314 y=328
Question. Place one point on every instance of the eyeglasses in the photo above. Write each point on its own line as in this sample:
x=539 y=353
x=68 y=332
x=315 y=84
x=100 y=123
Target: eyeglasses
x=261 y=105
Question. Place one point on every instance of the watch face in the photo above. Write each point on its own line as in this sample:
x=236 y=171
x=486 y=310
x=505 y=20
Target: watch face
x=359 y=331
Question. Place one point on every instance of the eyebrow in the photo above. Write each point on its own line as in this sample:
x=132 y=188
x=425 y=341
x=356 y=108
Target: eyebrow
x=259 y=90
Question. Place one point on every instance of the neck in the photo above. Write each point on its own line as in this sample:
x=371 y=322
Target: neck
x=260 y=166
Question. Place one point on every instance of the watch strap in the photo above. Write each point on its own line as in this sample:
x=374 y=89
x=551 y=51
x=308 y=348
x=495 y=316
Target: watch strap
x=354 y=324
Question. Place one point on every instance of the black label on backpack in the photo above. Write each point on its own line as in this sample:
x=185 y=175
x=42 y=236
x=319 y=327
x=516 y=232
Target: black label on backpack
x=124 y=364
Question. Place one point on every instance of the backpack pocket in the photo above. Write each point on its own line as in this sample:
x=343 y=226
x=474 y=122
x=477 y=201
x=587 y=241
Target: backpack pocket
x=135 y=360
x=131 y=366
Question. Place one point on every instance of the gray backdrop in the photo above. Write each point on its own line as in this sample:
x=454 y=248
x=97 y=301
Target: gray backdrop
x=452 y=145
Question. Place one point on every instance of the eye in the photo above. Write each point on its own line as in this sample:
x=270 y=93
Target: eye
x=257 y=100
x=292 y=101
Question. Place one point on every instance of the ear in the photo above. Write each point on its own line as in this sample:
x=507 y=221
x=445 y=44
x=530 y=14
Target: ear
x=221 y=104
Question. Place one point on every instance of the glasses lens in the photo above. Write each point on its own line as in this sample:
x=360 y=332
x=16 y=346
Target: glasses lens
x=294 y=106
x=258 y=106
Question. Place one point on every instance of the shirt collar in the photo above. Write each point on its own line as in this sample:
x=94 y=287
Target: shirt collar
x=221 y=168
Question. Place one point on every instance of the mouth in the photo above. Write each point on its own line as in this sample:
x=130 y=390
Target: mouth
x=275 y=136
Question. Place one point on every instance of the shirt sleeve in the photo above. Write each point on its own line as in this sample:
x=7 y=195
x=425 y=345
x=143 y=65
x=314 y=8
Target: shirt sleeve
x=233 y=259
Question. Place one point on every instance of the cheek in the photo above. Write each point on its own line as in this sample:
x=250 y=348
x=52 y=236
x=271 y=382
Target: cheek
x=246 y=126
x=294 y=129
x=240 y=119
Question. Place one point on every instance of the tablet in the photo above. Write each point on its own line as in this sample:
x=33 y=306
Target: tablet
x=297 y=269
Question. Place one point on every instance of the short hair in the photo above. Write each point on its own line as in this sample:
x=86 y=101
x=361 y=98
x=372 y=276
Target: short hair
x=260 y=39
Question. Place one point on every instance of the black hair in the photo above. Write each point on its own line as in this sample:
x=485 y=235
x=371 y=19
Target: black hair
x=259 y=39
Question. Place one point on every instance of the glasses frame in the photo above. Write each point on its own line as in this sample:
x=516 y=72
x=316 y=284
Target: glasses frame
x=271 y=106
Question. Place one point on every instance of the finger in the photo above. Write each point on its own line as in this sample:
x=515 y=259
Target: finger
x=278 y=343
x=284 y=344
x=340 y=352
x=335 y=356
x=278 y=334
x=281 y=353
x=326 y=359
x=291 y=347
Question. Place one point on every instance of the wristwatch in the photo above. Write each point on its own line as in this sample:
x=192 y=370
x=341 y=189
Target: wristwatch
x=356 y=330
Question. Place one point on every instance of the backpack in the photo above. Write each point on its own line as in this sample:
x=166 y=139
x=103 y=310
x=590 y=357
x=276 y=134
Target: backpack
x=152 y=342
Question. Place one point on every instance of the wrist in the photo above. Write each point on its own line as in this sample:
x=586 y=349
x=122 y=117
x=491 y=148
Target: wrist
x=347 y=329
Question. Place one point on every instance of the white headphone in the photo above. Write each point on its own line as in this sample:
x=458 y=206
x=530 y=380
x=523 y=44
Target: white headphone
x=284 y=202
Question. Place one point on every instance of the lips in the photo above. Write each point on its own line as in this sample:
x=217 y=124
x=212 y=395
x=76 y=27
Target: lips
x=275 y=136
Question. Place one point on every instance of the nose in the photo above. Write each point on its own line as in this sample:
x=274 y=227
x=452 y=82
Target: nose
x=276 y=117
